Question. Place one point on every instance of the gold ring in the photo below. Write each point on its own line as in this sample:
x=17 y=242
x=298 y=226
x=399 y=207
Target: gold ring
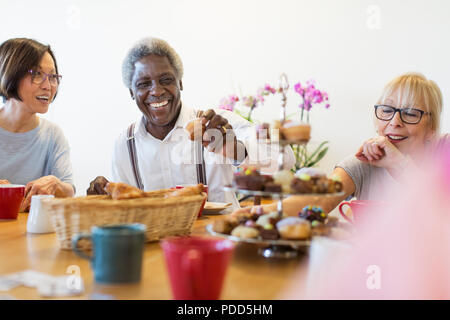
x=224 y=129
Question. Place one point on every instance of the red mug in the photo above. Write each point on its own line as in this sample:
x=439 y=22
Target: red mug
x=205 y=189
x=358 y=208
x=11 y=196
x=197 y=266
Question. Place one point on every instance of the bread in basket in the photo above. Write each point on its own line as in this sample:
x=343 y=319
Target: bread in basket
x=165 y=212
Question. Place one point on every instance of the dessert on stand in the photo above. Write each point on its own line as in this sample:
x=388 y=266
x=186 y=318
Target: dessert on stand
x=277 y=235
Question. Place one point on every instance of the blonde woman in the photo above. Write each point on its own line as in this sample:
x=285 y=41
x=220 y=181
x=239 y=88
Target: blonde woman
x=407 y=120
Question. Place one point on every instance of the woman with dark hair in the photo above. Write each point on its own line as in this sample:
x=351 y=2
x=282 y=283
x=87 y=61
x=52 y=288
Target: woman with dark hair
x=33 y=151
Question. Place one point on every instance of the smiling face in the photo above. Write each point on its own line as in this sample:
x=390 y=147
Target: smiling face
x=36 y=98
x=156 y=89
x=408 y=138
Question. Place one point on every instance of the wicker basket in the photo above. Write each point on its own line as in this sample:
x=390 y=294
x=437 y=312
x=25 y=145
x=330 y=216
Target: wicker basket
x=162 y=216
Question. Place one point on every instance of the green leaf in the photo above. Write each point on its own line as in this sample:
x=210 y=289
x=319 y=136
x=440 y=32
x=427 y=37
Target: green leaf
x=316 y=151
x=318 y=158
x=290 y=115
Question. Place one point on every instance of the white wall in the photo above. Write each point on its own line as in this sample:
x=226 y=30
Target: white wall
x=351 y=47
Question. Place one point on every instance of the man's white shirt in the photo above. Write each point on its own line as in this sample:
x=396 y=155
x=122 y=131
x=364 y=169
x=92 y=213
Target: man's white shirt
x=166 y=163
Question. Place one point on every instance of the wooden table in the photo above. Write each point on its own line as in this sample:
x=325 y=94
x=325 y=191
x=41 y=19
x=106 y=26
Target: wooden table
x=250 y=276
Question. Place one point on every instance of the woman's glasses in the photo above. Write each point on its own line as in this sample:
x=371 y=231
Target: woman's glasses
x=408 y=115
x=38 y=77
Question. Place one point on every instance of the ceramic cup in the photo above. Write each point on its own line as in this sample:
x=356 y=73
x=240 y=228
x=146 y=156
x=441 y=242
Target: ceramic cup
x=359 y=207
x=197 y=266
x=117 y=252
x=11 y=196
x=38 y=219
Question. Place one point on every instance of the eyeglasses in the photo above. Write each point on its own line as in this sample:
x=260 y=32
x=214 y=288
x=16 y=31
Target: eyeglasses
x=408 y=115
x=38 y=77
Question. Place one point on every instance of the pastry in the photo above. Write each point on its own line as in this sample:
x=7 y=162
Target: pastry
x=323 y=185
x=293 y=228
x=304 y=184
x=121 y=190
x=313 y=213
x=241 y=217
x=314 y=173
x=249 y=179
x=284 y=178
x=187 y=191
x=224 y=226
x=296 y=131
x=271 y=218
x=269 y=232
x=272 y=187
x=195 y=129
x=245 y=232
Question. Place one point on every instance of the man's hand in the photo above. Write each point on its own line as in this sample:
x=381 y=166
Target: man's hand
x=219 y=136
x=44 y=185
x=97 y=186
x=4 y=182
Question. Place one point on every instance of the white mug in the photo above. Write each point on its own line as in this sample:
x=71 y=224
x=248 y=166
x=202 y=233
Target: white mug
x=38 y=220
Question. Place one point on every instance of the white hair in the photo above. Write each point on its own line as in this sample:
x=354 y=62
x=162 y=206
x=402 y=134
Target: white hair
x=146 y=47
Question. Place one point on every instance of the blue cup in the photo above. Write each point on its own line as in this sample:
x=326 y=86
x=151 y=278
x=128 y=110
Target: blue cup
x=117 y=252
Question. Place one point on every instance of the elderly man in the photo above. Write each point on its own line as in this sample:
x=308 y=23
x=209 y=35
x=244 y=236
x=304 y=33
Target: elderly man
x=156 y=152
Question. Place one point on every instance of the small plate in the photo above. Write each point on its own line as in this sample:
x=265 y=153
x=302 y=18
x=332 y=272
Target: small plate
x=215 y=207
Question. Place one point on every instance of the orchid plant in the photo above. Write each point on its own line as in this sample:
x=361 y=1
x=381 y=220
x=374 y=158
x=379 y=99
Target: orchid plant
x=249 y=101
x=310 y=95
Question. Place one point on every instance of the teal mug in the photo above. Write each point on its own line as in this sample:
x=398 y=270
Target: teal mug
x=117 y=252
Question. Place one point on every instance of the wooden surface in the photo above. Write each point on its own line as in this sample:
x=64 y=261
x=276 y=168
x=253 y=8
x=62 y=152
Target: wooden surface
x=250 y=276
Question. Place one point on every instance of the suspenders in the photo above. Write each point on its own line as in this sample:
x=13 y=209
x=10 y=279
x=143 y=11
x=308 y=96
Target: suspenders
x=200 y=165
x=133 y=157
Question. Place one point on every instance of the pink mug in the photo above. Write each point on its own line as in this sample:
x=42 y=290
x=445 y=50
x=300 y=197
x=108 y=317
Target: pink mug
x=11 y=196
x=205 y=189
x=358 y=208
x=197 y=266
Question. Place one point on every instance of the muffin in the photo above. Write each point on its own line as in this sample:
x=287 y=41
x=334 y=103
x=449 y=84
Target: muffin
x=296 y=131
x=293 y=228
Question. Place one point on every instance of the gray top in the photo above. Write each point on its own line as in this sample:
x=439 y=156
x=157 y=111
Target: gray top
x=30 y=155
x=370 y=181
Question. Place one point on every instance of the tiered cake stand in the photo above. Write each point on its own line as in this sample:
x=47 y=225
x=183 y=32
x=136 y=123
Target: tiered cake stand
x=277 y=248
